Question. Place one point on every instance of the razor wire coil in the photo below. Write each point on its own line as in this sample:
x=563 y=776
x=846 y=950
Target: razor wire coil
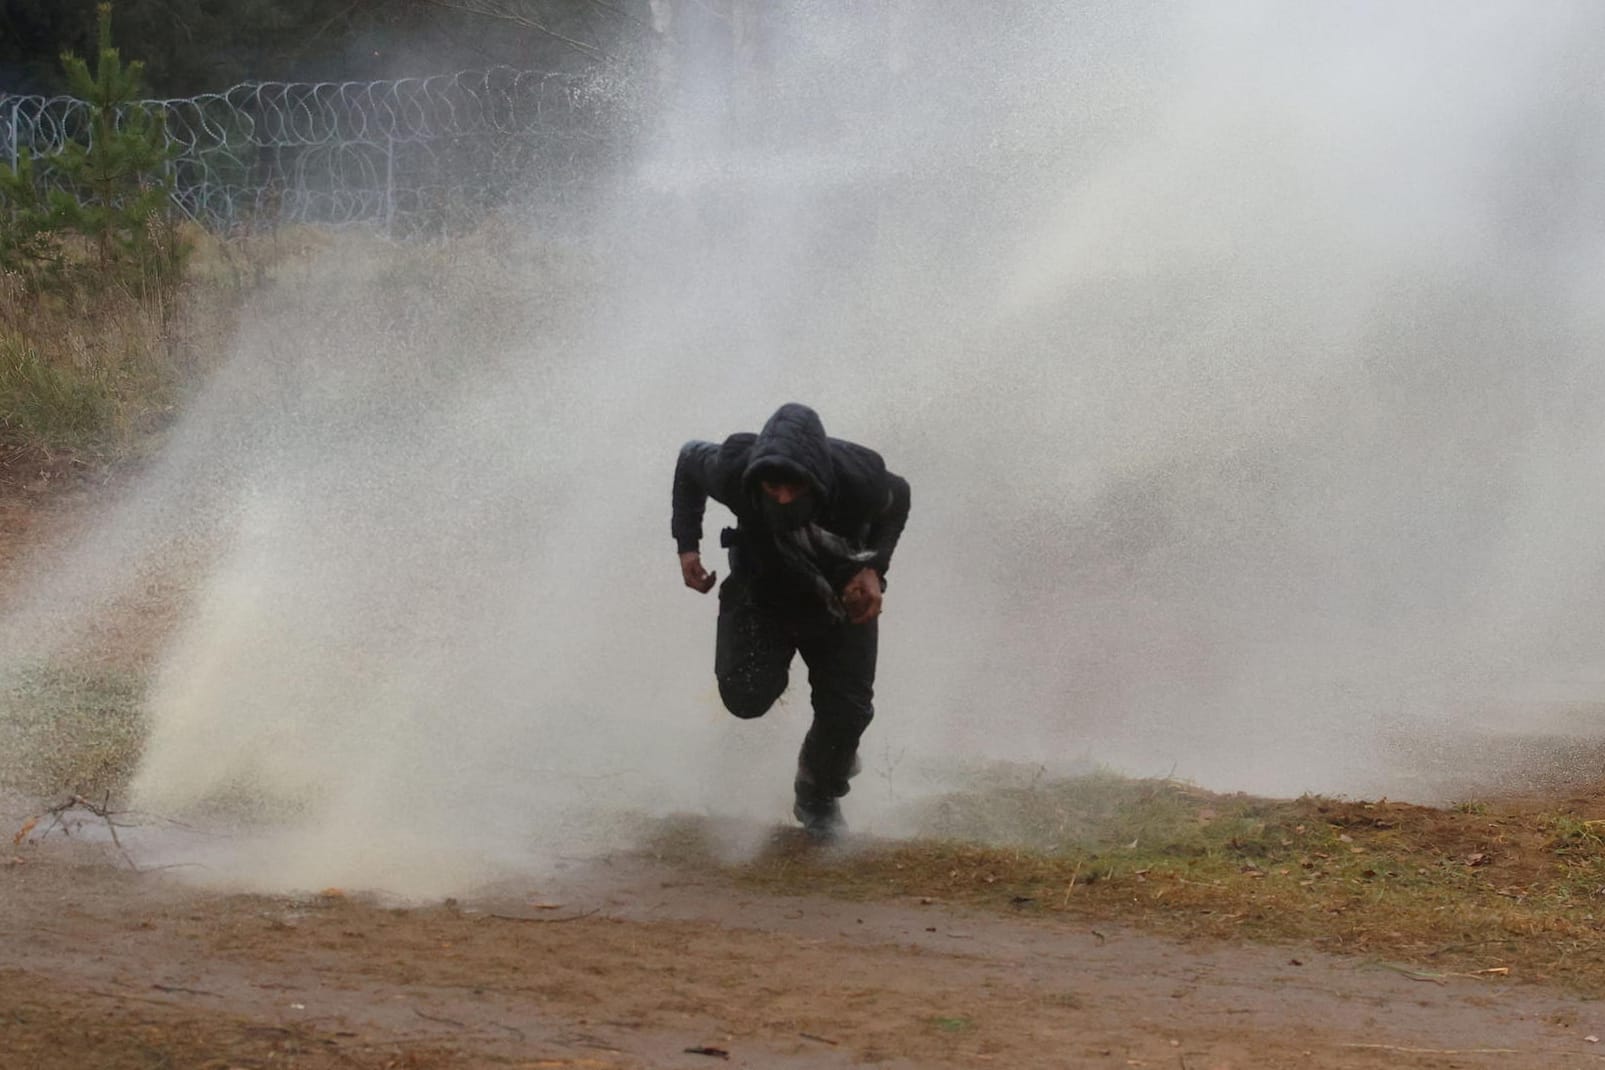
x=409 y=153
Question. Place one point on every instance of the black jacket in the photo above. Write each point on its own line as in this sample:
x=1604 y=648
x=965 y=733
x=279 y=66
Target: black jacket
x=859 y=499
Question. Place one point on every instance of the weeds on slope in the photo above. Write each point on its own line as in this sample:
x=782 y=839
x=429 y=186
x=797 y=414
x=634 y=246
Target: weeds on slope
x=1484 y=889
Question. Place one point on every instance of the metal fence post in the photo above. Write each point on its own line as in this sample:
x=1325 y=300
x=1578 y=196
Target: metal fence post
x=390 y=187
x=11 y=107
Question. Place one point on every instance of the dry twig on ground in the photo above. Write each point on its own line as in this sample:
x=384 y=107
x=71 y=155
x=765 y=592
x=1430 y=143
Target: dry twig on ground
x=101 y=810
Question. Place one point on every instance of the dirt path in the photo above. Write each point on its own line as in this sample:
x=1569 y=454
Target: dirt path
x=623 y=963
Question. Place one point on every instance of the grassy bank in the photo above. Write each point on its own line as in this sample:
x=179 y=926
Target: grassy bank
x=94 y=369
x=70 y=730
x=1495 y=890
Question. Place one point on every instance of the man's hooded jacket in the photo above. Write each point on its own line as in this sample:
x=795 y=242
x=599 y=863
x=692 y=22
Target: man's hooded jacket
x=854 y=496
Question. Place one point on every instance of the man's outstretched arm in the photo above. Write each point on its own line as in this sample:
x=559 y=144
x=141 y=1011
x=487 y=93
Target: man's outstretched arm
x=693 y=477
x=862 y=597
x=888 y=527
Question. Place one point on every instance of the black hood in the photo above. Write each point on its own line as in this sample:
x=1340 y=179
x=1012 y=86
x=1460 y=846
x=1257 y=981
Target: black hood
x=793 y=444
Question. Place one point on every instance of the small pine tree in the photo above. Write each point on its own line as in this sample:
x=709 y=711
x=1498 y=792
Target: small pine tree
x=29 y=239
x=113 y=186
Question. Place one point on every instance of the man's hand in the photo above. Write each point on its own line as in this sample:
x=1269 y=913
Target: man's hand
x=862 y=597
x=696 y=577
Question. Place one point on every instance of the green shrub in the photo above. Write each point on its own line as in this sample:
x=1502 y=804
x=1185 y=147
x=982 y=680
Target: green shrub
x=91 y=267
x=49 y=401
x=110 y=188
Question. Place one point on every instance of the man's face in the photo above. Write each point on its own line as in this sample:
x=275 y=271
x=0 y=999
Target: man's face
x=784 y=493
x=787 y=506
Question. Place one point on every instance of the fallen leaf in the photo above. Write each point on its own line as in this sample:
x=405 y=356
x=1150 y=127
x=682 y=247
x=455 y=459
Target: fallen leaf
x=1478 y=859
x=1344 y=837
x=22 y=833
x=1415 y=974
x=333 y=893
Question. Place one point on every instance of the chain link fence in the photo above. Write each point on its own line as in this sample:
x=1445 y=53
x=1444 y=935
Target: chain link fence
x=414 y=155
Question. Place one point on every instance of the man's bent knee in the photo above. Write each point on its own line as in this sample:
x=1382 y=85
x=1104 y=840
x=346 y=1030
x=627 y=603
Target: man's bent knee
x=747 y=699
x=850 y=713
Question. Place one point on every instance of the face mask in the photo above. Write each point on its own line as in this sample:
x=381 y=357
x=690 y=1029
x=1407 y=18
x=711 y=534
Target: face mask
x=789 y=517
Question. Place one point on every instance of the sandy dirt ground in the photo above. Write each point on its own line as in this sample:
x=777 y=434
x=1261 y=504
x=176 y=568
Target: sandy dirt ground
x=626 y=962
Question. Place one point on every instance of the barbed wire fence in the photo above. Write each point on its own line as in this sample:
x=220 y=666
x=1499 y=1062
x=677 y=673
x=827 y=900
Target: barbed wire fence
x=414 y=156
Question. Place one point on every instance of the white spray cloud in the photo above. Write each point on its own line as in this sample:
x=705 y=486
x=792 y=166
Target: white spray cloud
x=1242 y=358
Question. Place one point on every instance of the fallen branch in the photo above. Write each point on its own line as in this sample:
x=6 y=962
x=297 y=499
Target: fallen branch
x=1415 y=974
x=185 y=991
x=520 y=917
x=1071 y=886
x=103 y=811
x=114 y=820
x=1435 y=1051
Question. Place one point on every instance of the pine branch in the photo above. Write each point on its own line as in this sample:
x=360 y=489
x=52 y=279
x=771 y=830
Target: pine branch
x=485 y=9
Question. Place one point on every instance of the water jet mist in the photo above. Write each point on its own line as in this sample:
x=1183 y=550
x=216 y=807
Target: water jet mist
x=1241 y=358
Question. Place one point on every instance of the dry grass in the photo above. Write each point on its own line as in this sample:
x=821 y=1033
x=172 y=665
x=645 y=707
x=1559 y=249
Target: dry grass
x=91 y=374
x=66 y=729
x=1489 y=890
x=91 y=371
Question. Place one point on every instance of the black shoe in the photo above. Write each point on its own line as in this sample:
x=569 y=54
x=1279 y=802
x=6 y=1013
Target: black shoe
x=822 y=821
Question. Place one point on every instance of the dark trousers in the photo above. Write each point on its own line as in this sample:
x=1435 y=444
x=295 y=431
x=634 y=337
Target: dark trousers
x=752 y=660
